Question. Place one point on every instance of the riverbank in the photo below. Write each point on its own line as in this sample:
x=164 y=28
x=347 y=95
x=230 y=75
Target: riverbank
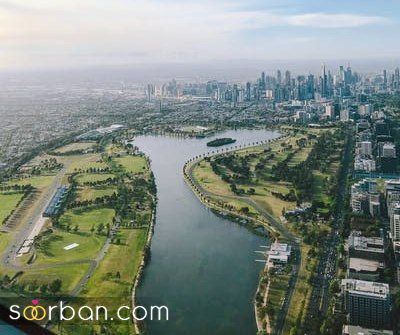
x=262 y=318
x=138 y=326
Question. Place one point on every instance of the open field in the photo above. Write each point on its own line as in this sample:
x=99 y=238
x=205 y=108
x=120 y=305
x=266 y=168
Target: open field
x=70 y=274
x=92 y=177
x=35 y=181
x=123 y=258
x=209 y=180
x=4 y=241
x=51 y=249
x=8 y=203
x=75 y=147
x=83 y=162
x=87 y=218
x=132 y=164
x=90 y=193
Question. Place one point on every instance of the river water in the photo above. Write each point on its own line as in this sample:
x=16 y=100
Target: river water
x=202 y=266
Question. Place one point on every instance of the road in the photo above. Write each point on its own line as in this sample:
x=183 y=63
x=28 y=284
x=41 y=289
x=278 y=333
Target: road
x=326 y=269
x=277 y=225
x=31 y=223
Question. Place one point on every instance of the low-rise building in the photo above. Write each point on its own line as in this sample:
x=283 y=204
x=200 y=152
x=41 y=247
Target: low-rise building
x=372 y=248
x=279 y=254
x=364 y=269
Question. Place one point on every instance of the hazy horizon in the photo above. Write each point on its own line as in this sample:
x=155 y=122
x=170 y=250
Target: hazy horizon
x=234 y=71
x=49 y=35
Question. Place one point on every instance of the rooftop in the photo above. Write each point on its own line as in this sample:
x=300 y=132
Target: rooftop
x=370 y=288
x=363 y=265
x=357 y=330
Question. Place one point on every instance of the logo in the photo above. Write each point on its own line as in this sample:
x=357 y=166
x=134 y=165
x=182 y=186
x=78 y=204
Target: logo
x=34 y=312
x=63 y=311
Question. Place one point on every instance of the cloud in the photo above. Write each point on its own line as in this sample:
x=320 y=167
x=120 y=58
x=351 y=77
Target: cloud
x=323 y=20
x=68 y=31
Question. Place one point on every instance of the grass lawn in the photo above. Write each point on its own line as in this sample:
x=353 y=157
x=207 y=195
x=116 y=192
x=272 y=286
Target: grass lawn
x=301 y=295
x=273 y=204
x=86 y=218
x=204 y=174
x=8 y=202
x=74 y=147
x=92 y=177
x=83 y=162
x=51 y=250
x=35 y=181
x=125 y=259
x=4 y=240
x=277 y=290
x=89 y=193
x=132 y=164
x=69 y=274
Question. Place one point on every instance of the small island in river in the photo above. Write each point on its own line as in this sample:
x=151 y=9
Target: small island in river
x=220 y=141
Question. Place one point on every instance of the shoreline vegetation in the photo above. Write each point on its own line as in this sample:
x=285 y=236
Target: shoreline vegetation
x=262 y=184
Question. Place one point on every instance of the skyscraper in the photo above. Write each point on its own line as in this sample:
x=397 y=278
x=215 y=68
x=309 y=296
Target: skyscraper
x=279 y=77
x=397 y=78
x=248 y=91
x=287 y=78
x=263 y=80
x=324 y=82
x=385 y=80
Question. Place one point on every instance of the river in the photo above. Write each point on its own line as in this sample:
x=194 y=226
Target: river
x=202 y=266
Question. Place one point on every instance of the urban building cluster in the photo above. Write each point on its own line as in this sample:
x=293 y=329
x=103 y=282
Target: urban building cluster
x=373 y=254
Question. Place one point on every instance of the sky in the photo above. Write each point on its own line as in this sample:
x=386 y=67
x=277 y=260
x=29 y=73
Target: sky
x=36 y=34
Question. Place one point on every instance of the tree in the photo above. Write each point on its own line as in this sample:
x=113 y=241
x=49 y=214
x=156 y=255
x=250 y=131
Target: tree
x=245 y=210
x=43 y=288
x=100 y=228
x=334 y=287
x=55 y=286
